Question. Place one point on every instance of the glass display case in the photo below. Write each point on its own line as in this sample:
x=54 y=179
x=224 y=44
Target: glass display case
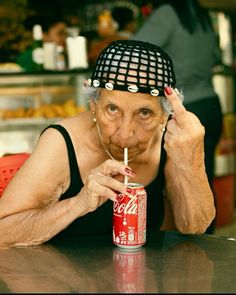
x=30 y=102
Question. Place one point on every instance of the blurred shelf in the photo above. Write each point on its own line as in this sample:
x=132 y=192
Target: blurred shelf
x=25 y=123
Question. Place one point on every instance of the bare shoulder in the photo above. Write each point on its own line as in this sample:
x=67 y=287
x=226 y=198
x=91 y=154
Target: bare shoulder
x=80 y=129
x=42 y=178
x=78 y=123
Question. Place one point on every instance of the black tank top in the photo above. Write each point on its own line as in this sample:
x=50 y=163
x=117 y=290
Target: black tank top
x=100 y=221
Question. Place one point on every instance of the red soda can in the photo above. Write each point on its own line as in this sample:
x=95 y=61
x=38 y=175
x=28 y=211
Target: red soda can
x=129 y=218
x=129 y=270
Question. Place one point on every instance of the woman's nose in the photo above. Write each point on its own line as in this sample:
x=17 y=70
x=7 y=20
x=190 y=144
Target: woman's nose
x=126 y=130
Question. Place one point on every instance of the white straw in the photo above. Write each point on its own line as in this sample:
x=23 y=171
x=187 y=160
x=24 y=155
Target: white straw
x=126 y=163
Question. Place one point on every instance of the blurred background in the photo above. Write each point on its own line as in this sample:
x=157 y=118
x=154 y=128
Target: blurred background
x=17 y=17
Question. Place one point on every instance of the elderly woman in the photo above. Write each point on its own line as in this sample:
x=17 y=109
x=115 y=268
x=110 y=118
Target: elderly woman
x=72 y=177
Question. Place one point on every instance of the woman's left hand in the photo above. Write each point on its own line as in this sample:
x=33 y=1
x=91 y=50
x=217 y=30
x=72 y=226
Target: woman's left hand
x=184 y=137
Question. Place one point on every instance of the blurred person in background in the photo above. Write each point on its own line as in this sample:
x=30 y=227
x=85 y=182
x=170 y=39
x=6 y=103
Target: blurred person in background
x=125 y=18
x=54 y=30
x=184 y=30
x=119 y=23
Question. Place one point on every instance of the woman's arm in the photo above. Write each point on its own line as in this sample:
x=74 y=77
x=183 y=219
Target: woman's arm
x=187 y=187
x=36 y=226
x=190 y=198
x=30 y=210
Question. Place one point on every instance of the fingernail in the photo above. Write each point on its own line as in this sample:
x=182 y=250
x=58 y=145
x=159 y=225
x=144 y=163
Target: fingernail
x=129 y=172
x=129 y=190
x=117 y=199
x=168 y=90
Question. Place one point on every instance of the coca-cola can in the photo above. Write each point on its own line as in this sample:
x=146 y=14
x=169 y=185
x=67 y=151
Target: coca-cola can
x=129 y=270
x=129 y=218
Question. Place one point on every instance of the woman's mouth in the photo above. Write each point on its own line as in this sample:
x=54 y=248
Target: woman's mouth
x=118 y=152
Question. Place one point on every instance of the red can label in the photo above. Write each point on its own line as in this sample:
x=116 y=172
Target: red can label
x=129 y=218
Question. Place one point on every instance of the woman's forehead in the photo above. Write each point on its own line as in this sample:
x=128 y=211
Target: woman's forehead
x=119 y=97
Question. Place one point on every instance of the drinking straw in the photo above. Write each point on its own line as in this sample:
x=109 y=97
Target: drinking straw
x=126 y=163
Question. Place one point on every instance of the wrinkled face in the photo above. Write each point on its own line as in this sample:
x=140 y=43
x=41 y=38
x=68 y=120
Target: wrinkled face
x=57 y=34
x=127 y=120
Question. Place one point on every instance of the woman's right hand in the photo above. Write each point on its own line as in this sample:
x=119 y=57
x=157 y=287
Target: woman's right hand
x=101 y=184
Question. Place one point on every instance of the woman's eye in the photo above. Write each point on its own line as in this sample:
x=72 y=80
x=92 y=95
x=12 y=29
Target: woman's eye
x=112 y=108
x=145 y=113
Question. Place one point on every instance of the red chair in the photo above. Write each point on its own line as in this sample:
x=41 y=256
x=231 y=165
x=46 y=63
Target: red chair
x=9 y=164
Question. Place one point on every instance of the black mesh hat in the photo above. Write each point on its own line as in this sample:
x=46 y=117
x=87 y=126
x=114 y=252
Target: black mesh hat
x=135 y=66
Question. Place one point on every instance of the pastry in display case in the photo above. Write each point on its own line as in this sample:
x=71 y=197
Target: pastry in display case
x=30 y=102
x=43 y=110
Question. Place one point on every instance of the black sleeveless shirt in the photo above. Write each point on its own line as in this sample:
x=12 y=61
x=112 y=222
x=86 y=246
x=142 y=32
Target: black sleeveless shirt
x=100 y=221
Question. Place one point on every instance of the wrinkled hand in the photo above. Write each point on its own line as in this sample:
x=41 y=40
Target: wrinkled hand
x=101 y=184
x=184 y=137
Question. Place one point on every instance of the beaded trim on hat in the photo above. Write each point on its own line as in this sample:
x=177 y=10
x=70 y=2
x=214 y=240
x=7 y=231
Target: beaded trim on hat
x=135 y=66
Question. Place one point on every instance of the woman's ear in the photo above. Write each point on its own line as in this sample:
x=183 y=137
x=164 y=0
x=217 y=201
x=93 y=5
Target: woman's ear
x=92 y=105
x=165 y=117
x=85 y=83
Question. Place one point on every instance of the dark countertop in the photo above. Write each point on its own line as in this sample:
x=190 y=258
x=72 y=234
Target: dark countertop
x=169 y=263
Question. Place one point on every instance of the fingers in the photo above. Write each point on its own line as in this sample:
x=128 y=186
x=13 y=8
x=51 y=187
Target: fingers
x=101 y=184
x=171 y=127
x=105 y=186
x=174 y=100
x=112 y=168
x=104 y=176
